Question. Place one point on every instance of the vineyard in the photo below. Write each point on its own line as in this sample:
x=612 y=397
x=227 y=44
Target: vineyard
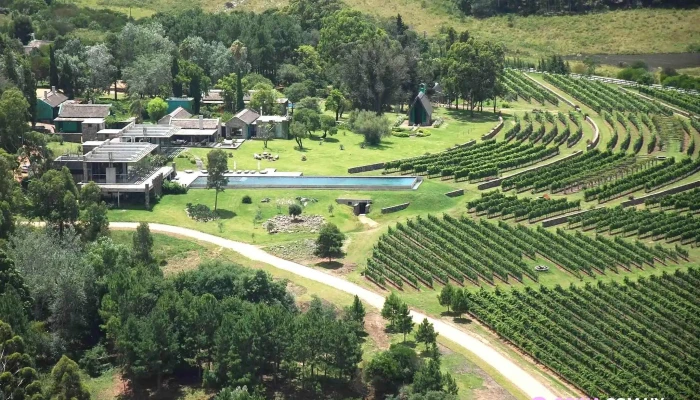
x=589 y=169
x=517 y=83
x=475 y=163
x=496 y=204
x=428 y=250
x=652 y=178
x=602 y=97
x=688 y=201
x=682 y=100
x=668 y=226
x=640 y=338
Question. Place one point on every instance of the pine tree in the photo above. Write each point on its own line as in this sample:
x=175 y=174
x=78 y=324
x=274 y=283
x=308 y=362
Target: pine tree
x=143 y=243
x=67 y=383
x=426 y=333
x=446 y=295
x=404 y=321
x=356 y=312
x=428 y=378
x=174 y=72
x=390 y=310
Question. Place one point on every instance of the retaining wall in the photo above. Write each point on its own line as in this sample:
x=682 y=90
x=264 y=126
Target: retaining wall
x=596 y=136
x=560 y=97
x=365 y=168
x=493 y=132
x=561 y=219
x=395 y=208
x=455 y=193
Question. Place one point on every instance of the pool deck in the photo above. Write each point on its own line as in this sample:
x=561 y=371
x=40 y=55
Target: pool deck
x=186 y=178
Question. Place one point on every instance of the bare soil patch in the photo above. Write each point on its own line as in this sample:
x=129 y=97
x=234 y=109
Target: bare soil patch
x=374 y=325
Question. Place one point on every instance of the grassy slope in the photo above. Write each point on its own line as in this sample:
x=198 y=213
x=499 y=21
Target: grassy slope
x=618 y=32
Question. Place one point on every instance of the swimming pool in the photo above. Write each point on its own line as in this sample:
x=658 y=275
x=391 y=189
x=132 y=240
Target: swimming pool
x=318 y=182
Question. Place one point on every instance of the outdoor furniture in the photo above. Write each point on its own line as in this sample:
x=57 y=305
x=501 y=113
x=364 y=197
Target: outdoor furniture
x=204 y=171
x=276 y=157
x=188 y=171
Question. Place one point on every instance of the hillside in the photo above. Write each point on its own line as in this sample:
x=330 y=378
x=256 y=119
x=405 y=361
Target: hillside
x=617 y=32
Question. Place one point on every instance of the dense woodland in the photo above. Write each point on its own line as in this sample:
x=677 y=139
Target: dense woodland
x=486 y=8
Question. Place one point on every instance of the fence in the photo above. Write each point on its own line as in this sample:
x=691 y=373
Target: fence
x=674 y=190
x=365 y=168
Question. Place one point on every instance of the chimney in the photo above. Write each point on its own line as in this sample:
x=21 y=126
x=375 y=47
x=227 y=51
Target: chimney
x=46 y=94
x=53 y=89
x=145 y=130
x=201 y=122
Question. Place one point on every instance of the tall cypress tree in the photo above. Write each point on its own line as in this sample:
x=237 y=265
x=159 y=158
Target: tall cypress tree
x=239 y=92
x=53 y=70
x=174 y=72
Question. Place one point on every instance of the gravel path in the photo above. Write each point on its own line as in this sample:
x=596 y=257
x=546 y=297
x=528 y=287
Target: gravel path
x=519 y=377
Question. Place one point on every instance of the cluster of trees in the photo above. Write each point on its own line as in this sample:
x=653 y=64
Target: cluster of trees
x=399 y=372
x=455 y=298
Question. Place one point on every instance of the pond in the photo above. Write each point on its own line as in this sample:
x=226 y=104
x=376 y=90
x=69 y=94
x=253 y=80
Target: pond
x=318 y=182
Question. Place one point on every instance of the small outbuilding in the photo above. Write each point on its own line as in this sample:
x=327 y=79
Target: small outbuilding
x=48 y=104
x=421 y=112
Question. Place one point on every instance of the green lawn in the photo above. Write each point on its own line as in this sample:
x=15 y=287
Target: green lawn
x=329 y=159
x=59 y=149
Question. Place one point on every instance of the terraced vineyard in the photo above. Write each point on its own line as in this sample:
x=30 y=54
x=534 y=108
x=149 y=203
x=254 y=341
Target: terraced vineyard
x=602 y=97
x=688 y=201
x=496 y=204
x=668 y=226
x=650 y=179
x=576 y=173
x=477 y=162
x=426 y=250
x=640 y=338
x=516 y=82
x=682 y=100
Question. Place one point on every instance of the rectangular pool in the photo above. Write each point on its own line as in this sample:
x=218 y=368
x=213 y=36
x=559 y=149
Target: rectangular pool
x=318 y=182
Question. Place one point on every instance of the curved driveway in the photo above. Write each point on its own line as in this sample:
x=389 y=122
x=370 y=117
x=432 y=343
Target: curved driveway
x=520 y=378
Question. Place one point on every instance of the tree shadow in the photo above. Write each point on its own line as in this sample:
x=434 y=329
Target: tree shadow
x=383 y=145
x=329 y=139
x=447 y=314
x=466 y=116
x=225 y=214
x=329 y=265
x=462 y=320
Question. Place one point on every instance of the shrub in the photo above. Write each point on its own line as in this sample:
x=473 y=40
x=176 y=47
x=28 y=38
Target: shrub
x=200 y=212
x=95 y=361
x=505 y=105
x=400 y=134
x=246 y=200
x=170 y=187
x=294 y=210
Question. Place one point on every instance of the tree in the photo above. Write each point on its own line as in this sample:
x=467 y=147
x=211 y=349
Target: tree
x=426 y=333
x=294 y=210
x=298 y=131
x=10 y=193
x=330 y=242
x=14 y=118
x=264 y=101
x=240 y=104
x=66 y=381
x=372 y=126
x=22 y=27
x=311 y=13
x=446 y=295
x=404 y=321
x=297 y=91
x=198 y=82
x=54 y=198
x=227 y=84
x=328 y=125
x=373 y=72
x=591 y=64
x=145 y=77
x=93 y=212
x=217 y=164
x=341 y=30
x=102 y=71
x=142 y=243
x=289 y=74
x=460 y=302
x=267 y=132
x=53 y=69
x=428 y=378
x=157 y=108
x=309 y=118
x=251 y=81
x=356 y=312
x=239 y=393
x=390 y=369
x=390 y=310
x=311 y=103
x=335 y=102
x=20 y=380
x=174 y=72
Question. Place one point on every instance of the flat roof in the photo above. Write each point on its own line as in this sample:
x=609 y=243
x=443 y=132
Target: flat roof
x=109 y=131
x=128 y=152
x=196 y=132
x=93 y=120
x=151 y=131
x=93 y=142
x=272 y=118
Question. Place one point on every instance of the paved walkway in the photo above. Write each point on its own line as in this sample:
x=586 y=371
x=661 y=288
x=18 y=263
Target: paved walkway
x=367 y=221
x=520 y=378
